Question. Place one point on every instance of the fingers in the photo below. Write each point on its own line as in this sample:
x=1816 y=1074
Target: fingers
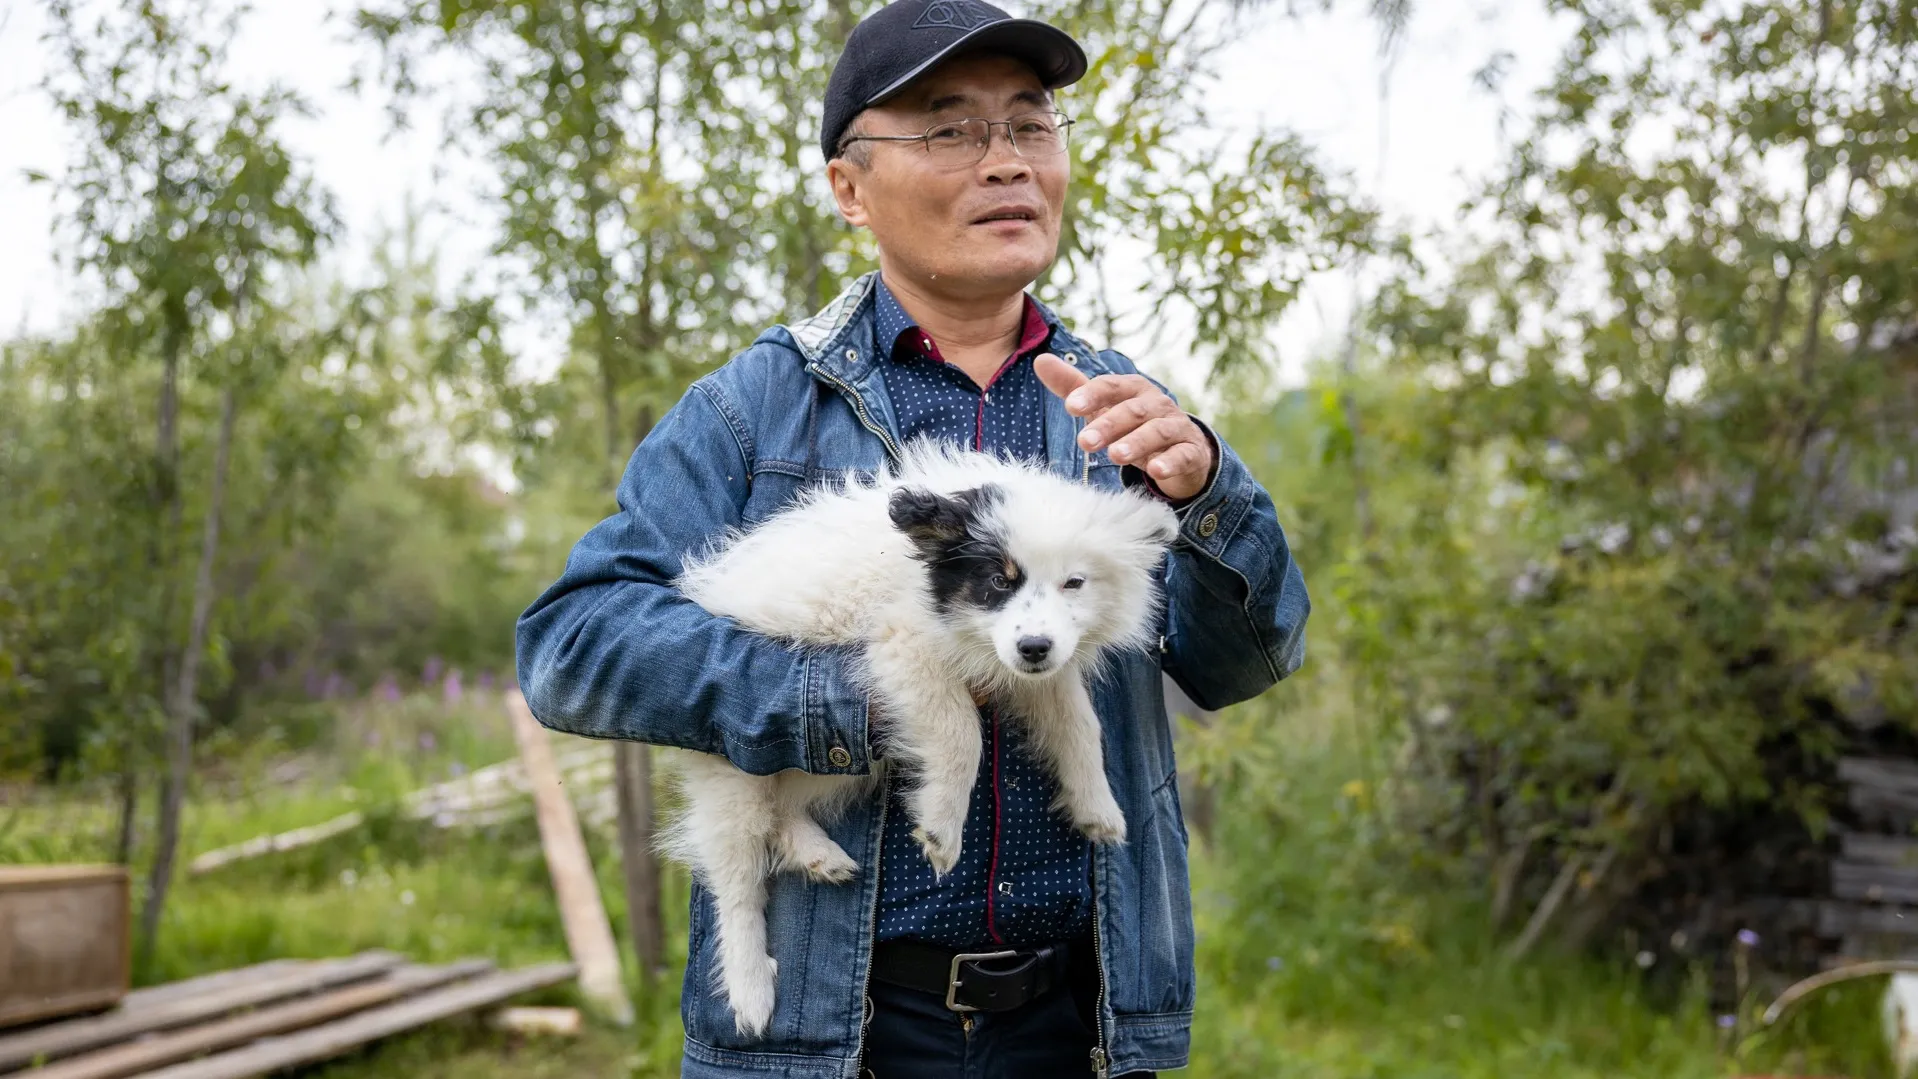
x=1181 y=470
x=1104 y=392
x=1143 y=426
x=1057 y=375
x=1122 y=419
x=1149 y=439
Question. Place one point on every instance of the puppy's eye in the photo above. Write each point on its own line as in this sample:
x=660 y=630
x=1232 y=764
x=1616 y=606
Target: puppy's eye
x=1074 y=583
x=999 y=581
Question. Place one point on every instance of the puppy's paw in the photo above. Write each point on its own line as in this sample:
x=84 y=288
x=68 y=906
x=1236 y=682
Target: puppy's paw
x=811 y=852
x=750 y=991
x=831 y=865
x=941 y=849
x=1101 y=822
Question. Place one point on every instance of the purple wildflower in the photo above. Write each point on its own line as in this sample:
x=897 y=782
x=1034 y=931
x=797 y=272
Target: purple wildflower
x=432 y=672
x=486 y=681
x=1748 y=938
x=452 y=688
x=1726 y=1022
x=389 y=690
x=427 y=741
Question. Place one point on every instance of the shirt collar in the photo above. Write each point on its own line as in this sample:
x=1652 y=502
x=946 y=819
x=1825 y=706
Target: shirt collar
x=899 y=337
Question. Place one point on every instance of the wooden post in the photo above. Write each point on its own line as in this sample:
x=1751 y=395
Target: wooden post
x=589 y=936
x=633 y=786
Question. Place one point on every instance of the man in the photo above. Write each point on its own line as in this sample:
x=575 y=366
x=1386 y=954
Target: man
x=1037 y=953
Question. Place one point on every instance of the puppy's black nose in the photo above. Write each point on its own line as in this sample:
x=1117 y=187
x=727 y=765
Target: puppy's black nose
x=1034 y=649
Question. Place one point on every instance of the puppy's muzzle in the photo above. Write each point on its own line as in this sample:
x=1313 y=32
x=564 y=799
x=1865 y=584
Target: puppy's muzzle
x=1034 y=650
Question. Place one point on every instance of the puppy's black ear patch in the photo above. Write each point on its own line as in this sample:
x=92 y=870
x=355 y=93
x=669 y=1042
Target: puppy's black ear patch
x=926 y=517
x=935 y=523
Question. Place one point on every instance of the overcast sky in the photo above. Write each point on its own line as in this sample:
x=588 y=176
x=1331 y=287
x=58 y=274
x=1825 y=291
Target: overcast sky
x=1317 y=74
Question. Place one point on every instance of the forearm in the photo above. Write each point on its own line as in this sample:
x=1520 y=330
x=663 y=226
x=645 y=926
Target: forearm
x=1236 y=600
x=613 y=650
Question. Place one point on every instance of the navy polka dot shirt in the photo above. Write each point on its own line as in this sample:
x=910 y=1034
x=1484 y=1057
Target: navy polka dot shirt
x=1024 y=873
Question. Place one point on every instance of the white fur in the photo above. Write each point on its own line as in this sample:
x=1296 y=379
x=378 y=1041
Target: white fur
x=831 y=569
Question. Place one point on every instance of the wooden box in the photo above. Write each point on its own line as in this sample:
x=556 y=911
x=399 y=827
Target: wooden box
x=65 y=940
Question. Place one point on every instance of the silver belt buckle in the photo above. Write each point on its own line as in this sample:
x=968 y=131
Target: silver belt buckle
x=952 y=979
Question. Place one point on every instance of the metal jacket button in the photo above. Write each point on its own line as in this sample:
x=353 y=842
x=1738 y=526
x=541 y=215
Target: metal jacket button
x=1208 y=525
x=839 y=757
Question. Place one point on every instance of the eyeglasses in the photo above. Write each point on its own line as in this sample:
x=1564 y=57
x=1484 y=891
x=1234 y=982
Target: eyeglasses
x=959 y=143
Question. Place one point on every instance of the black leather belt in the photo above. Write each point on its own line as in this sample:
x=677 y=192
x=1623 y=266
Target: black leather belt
x=973 y=981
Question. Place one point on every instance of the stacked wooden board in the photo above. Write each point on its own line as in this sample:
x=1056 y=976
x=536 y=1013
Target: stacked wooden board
x=487 y=796
x=263 y=1018
x=1873 y=911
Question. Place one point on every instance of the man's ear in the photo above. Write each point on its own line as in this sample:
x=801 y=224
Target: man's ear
x=845 y=178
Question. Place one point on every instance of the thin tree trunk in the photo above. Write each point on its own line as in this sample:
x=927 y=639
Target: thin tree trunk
x=181 y=706
x=633 y=783
x=633 y=789
x=129 y=793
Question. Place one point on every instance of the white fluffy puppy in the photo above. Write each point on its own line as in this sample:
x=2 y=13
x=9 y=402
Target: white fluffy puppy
x=953 y=573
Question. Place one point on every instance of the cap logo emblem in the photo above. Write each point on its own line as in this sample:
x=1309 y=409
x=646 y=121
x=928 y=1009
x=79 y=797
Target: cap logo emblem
x=954 y=15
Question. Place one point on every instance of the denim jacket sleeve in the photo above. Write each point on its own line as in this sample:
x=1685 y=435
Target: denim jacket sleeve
x=613 y=650
x=1236 y=604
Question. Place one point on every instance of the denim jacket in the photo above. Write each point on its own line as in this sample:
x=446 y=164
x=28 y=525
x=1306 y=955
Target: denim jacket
x=612 y=650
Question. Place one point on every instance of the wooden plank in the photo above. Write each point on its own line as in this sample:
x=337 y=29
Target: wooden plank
x=1874 y=883
x=273 y=844
x=589 y=935
x=135 y=1057
x=1870 y=948
x=33 y=876
x=329 y=1040
x=561 y=1021
x=1881 y=773
x=488 y=795
x=1847 y=919
x=1830 y=918
x=58 y=1040
x=1895 y=807
x=1879 y=849
x=206 y=983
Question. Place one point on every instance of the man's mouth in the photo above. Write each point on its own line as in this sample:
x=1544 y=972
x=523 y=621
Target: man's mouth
x=1006 y=215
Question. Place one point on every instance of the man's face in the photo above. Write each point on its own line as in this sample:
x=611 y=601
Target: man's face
x=945 y=228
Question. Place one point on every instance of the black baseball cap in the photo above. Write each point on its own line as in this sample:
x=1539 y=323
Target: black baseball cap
x=904 y=40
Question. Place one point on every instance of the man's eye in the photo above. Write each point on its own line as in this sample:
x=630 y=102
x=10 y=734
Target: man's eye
x=1074 y=582
x=947 y=133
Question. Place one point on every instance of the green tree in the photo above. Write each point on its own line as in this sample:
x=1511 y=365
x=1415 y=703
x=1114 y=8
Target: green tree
x=1667 y=424
x=187 y=208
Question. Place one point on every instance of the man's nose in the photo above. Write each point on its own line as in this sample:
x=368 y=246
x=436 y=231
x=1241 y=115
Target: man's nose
x=1002 y=163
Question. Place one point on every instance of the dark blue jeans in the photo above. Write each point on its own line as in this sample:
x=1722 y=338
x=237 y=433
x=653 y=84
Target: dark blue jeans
x=913 y=1036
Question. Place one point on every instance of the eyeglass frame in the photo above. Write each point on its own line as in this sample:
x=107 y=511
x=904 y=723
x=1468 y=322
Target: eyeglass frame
x=925 y=138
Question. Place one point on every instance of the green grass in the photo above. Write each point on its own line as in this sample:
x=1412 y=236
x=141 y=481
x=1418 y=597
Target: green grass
x=1320 y=954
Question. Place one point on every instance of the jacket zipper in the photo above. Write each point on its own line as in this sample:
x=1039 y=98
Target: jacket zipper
x=1099 y=1061
x=858 y=407
x=872 y=918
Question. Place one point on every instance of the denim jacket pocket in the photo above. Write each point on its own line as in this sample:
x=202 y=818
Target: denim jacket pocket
x=773 y=486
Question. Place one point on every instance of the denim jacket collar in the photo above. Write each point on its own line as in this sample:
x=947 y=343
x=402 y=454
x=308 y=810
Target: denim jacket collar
x=838 y=338
x=837 y=346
